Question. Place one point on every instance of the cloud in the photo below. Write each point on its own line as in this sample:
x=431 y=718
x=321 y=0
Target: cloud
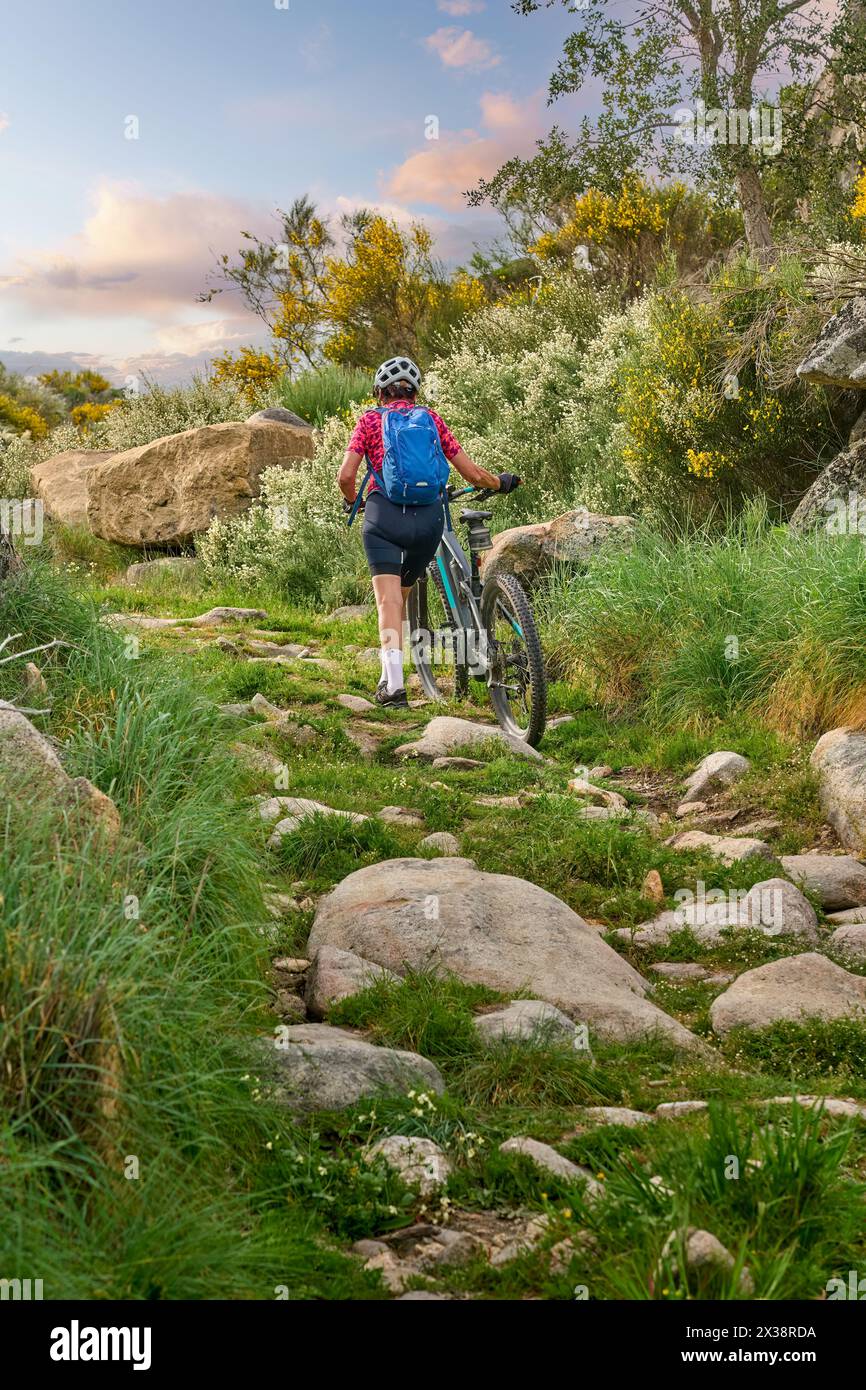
x=462 y=7
x=136 y=256
x=460 y=48
x=318 y=51
x=439 y=174
x=5 y=122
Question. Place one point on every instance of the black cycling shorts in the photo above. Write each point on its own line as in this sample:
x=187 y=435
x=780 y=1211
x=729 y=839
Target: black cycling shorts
x=401 y=540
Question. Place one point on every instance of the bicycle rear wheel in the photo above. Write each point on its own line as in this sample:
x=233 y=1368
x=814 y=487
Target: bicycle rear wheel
x=518 y=679
x=435 y=634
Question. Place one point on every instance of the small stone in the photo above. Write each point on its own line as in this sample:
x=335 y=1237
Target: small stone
x=670 y=1109
x=543 y=1156
x=350 y=613
x=652 y=887
x=525 y=1020
x=368 y=1248
x=690 y=808
x=338 y=974
x=838 y=880
x=714 y=773
x=230 y=648
x=356 y=703
x=420 y=1163
x=729 y=848
x=291 y=965
x=600 y=772
x=442 y=842
x=680 y=970
x=456 y=764
x=34 y=681
x=850 y=942
x=613 y=1115
x=401 y=815
x=601 y=796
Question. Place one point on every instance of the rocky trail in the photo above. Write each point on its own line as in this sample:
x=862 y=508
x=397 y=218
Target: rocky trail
x=366 y=888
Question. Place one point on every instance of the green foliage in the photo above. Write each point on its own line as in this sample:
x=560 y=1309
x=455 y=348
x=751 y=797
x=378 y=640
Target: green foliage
x=421 y=1013
x=331 y=847
x=696 y=627
x=318 y=394
x=507 y=386
x=821 y=1047
x=123 y=1028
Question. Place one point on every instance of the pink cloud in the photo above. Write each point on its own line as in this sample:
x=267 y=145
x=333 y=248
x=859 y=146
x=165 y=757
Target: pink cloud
x=5 y=122
x=136 y=256
x=460 y=48
x=440 y=173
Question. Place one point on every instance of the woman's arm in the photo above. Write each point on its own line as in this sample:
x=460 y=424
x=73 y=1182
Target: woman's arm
x=348 y=474
x=473 y=472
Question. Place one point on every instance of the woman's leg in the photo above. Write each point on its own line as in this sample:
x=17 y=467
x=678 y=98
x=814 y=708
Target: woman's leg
x=391 y=602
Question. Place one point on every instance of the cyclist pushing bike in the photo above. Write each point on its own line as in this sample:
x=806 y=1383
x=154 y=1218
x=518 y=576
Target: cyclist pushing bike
x=408 y=449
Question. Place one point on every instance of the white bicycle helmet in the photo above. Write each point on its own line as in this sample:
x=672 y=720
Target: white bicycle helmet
x=397 y=369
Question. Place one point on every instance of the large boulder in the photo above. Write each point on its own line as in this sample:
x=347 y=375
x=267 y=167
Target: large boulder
x=838 y=357
x=828 y=502
x=839 y=758
x=491 y=929
x=170 y=490
x=32 y=778
x=61 y=483
x=280 y=416
x=794 y=989
x=837 y=880
x=530 y=551
x=311 y=1066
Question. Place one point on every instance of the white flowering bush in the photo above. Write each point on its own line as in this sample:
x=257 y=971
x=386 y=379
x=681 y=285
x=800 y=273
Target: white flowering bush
x=156 y=412
x=511 y=388
x=294 y=538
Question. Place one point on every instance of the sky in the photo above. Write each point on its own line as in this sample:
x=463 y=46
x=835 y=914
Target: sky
x=139 y=137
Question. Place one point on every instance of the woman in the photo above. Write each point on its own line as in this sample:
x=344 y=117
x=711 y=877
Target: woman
x=400 y=540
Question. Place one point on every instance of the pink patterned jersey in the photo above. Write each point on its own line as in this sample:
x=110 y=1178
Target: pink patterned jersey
x=367 y=438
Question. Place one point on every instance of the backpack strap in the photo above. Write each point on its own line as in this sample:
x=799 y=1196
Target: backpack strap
x=356 y=505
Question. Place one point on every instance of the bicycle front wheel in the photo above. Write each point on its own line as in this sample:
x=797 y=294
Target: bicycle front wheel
x=518 y=679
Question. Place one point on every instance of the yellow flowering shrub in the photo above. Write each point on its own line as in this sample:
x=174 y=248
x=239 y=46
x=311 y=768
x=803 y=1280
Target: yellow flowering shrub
x=626 y=234
x=22 y=417
x=87 y=414
x=252 y=372
x=690 y=431
x=858 y=211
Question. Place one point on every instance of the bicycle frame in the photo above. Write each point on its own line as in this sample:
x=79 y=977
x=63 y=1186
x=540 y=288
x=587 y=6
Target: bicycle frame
x=462 y=583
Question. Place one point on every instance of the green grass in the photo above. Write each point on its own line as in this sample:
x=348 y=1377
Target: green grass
x=693 y=630
x=128 y=1033
x=317 y=395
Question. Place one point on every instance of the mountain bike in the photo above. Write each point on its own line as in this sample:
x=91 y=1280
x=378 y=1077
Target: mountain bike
x=468 y=633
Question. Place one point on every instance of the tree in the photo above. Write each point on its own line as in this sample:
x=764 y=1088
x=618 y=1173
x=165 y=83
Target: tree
x=353 y=298
x=683 y=89
x=281 y=279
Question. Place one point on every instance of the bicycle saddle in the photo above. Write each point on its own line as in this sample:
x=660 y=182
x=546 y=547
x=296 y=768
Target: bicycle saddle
x=475 y=516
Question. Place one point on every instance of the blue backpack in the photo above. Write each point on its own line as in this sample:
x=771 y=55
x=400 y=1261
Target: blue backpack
x=415 y=469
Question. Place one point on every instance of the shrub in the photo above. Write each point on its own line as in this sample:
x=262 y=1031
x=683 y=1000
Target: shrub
x=318 y=395
x=506 y=386
x=294 y=538
x=692 y=628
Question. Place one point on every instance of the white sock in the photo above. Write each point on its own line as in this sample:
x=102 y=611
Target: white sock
x=392 y=668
